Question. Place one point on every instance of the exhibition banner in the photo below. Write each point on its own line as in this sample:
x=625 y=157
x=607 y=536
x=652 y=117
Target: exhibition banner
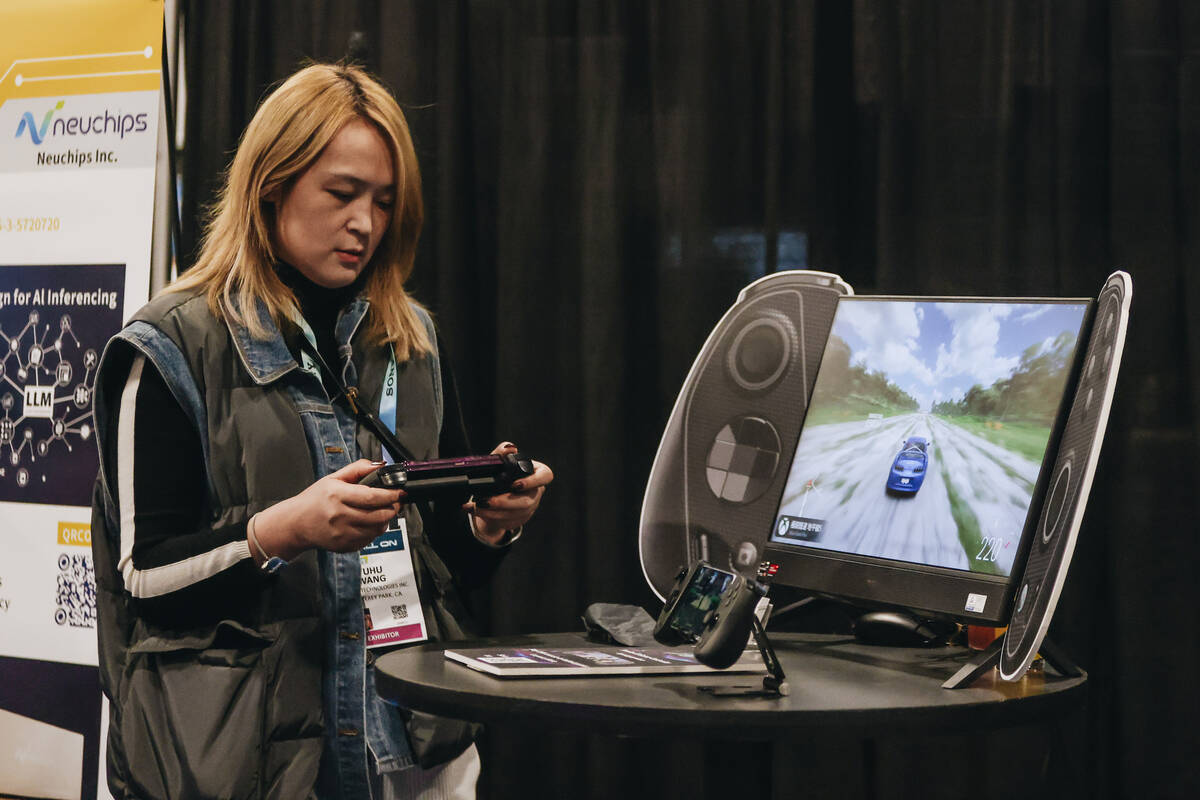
x=79 y=108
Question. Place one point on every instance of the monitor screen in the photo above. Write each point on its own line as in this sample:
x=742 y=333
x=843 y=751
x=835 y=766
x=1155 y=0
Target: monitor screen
x=923 y=447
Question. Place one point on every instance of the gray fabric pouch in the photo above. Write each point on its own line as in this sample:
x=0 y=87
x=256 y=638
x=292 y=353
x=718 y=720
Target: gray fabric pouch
x=616 y=623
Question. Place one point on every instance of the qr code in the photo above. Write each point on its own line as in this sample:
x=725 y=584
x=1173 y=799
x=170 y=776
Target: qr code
x=76 y=597
x=400 y=611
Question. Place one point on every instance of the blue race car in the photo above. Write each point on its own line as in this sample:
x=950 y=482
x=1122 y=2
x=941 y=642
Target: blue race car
x=908 y=468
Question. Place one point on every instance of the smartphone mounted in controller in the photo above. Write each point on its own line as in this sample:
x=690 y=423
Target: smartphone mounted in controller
x=697 y=592
x=481 y=476
x=714 y=610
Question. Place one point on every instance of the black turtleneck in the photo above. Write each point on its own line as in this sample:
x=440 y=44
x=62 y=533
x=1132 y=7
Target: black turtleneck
x=320 y=308
x=167 y=466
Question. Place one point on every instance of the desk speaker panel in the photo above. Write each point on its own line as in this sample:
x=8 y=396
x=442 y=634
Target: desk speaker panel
x=722 y=463
x=1071 y=481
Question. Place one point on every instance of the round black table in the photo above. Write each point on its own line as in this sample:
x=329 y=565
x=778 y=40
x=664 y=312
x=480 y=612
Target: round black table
x=837 y=685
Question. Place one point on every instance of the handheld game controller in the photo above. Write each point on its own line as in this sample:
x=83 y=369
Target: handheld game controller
x=729 y=625
x=481 y=476
x=696 y=592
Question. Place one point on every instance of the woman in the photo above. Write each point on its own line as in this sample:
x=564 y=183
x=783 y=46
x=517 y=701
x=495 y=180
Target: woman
x=229 y=513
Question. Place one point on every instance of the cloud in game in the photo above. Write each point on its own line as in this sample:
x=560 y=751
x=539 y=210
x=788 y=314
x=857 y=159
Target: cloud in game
x=936 y=351
x=890 y=333
x=1033 y=312
x=973 y=350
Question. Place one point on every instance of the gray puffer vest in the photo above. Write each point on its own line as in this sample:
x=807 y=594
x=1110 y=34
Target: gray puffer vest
x=233 y=707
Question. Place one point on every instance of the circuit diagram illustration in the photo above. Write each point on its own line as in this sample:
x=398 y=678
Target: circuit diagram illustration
x=48 y=382
x=51 y=347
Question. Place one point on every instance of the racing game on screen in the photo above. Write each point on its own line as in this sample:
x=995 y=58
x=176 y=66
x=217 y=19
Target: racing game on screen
x=927 y=429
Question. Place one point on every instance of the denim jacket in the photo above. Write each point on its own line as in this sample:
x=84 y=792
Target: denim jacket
x=292 y=692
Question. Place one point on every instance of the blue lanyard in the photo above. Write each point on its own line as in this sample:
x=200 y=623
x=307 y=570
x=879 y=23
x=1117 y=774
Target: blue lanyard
x=387 y=401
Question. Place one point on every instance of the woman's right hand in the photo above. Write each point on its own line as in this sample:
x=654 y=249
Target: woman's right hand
x=335 y=513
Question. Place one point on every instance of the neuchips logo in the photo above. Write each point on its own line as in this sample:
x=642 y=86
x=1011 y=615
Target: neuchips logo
x=35 y=133
x=104 y=122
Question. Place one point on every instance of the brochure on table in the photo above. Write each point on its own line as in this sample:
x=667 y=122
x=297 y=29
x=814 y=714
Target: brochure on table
x=593 y=661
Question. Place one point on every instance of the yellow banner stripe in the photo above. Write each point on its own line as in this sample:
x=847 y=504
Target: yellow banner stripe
x=46 y=47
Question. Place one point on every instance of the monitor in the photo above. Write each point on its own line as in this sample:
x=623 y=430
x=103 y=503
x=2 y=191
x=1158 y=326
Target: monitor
x=925 y=451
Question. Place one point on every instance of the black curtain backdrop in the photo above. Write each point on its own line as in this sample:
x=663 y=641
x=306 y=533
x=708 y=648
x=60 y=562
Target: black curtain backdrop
x=602 y=177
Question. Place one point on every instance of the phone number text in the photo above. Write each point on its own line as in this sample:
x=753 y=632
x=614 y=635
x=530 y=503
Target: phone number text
x=29 y=224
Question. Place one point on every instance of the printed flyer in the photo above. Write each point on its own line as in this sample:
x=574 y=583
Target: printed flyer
x=593 y=661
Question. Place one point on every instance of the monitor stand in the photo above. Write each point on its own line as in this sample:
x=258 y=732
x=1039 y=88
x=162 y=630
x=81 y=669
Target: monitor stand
x=987 y=659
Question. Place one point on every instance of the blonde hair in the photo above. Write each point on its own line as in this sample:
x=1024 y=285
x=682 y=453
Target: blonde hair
x=287 y=134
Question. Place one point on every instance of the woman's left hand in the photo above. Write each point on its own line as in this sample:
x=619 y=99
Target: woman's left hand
x=493 y=516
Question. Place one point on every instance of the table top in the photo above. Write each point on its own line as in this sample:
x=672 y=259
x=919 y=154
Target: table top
x=837 y=684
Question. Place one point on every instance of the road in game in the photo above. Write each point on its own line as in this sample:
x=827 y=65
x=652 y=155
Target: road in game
x=848 y=465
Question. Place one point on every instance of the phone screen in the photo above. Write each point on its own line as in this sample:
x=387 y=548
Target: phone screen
x=701 y=595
